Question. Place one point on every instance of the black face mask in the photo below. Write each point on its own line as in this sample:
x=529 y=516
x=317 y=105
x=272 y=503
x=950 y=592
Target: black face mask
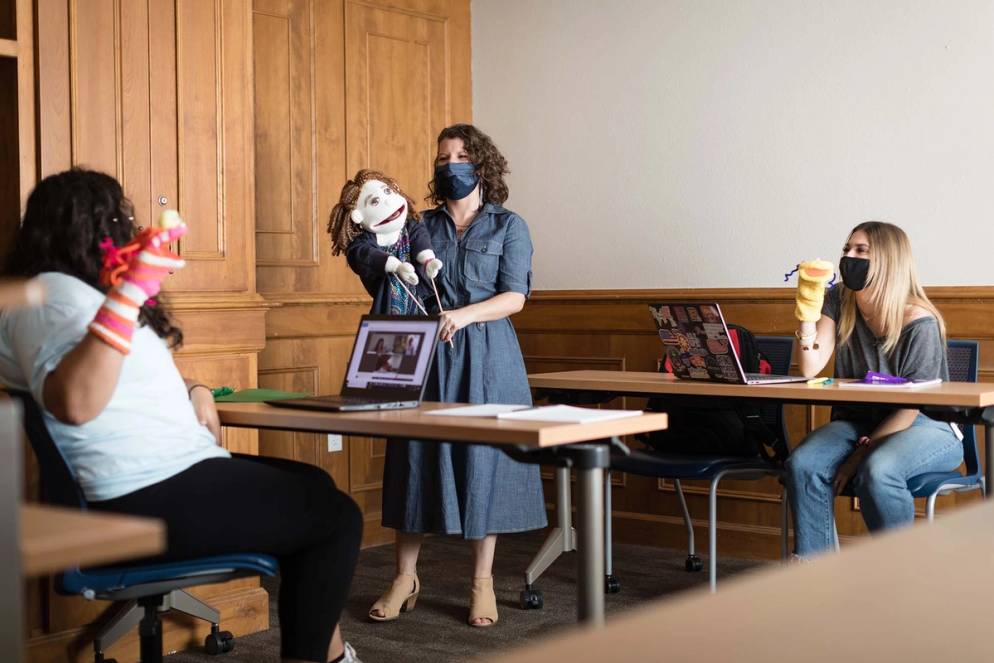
x=854 y=272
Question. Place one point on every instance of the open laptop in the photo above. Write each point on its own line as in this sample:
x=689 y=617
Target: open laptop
x=696 y=341
x=388 y=367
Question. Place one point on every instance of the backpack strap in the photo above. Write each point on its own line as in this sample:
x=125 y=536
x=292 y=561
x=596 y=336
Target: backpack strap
x=768 y=444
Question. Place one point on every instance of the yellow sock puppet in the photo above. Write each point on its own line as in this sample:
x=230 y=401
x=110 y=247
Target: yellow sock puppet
x=812 y=277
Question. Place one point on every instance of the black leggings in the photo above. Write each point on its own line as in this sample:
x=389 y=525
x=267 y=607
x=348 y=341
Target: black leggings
x=265 y=505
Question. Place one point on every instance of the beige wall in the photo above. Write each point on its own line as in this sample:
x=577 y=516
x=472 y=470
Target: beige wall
x=638 y=130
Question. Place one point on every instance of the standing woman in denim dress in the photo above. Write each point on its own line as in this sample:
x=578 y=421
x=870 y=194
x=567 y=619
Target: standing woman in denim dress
x=473 y=491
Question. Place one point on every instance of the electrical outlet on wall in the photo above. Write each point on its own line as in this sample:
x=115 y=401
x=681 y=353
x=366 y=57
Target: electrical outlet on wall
x=334 y=442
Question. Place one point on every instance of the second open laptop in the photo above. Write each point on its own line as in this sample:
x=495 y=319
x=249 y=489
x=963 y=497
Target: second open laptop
x=696 y=341
x=388 y=367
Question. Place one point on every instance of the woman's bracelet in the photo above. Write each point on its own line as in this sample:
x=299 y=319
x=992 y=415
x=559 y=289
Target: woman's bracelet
x=806 y=339
x=189 y=391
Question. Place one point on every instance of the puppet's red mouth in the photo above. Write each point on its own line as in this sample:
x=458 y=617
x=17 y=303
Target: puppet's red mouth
x=393 y=216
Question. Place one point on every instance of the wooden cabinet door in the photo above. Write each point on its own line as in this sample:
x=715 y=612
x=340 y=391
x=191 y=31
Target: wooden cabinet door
x=159 y=96
x=397 y=91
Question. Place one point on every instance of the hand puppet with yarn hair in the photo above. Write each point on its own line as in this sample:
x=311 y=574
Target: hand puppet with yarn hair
x=375 y=225
x=812 y=277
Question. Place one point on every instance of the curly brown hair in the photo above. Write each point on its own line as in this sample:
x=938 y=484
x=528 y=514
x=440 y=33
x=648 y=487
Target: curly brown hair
x=490 y=164
x=340 y=226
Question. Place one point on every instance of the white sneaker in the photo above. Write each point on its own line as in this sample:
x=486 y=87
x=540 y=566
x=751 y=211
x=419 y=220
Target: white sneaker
x=350 y=655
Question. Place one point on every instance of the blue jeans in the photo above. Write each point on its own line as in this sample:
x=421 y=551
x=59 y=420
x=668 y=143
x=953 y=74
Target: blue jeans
x=880 y=482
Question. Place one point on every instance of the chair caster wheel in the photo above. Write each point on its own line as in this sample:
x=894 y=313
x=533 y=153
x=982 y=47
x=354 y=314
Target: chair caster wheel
x=693 y=563
x=220 y=642
x=611 y=584
x=531 y=599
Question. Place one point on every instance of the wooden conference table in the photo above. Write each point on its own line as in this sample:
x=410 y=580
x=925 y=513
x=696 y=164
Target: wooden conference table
x=581 y=446
x=914 y=594
x=960 y=402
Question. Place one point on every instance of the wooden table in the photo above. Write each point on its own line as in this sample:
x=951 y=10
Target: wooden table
x=531 y=441
x=914 y=594
x=974 y=403
x=53 y=539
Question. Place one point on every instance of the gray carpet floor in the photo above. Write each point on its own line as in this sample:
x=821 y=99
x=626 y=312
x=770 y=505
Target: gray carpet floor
x=436 y=629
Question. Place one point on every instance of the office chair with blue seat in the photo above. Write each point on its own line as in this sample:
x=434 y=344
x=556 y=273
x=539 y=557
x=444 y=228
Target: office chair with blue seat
x=146 y=589
x=778 y=351
x=964 y=360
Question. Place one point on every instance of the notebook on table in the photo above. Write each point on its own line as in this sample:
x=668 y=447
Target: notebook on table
x=695 y=338
x=388 y=367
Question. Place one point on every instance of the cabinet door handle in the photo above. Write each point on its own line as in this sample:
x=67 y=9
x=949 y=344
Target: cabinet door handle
x=163 y=201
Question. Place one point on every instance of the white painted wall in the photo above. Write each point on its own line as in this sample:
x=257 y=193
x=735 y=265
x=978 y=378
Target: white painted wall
x=713 y=143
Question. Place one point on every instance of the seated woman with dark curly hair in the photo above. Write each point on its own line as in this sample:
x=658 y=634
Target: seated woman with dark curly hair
x=138 y=440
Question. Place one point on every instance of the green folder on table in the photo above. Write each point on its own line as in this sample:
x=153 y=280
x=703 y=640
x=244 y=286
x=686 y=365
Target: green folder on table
x=259 y=395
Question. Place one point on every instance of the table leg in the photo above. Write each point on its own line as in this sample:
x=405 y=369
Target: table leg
x=590 y=463
x=561 y=538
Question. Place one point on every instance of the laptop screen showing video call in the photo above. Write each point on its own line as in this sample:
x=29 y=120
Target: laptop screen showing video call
x=391 y=355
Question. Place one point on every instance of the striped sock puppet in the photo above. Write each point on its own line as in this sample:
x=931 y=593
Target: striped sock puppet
x=134 y=273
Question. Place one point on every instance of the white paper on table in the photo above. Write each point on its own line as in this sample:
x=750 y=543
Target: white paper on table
x=486 y=410
x=568 y=414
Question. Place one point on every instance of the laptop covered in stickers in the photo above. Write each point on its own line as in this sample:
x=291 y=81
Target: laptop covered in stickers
x=695 y=339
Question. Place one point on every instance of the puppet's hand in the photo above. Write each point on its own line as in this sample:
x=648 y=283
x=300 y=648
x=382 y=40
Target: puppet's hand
x=406 y=272
x=433 y=267
x=811 y=279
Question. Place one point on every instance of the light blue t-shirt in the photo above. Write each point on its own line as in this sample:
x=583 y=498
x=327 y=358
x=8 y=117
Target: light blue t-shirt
x=147 y=433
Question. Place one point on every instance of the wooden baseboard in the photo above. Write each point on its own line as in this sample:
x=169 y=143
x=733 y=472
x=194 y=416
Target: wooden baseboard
x=243 y=611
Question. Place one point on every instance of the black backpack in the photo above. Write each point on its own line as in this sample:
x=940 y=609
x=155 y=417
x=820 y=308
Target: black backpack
x=703 y=425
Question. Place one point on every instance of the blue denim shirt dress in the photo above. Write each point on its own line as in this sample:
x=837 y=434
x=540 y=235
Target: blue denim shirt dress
x=470 y=490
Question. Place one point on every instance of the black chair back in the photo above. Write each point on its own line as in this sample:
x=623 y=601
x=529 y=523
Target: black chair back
x=778 y=350
x=58 y=484
x=964 y=361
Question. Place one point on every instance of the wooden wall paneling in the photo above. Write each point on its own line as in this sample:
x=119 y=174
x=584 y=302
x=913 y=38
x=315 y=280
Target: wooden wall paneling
x=366 y=458
x=53 y=87
x=320 y=151
x=569 y=327
x=303 y=365
x=214 y=137
x=238 y=371
x=163 y=119
x=26 y=98
x=135 y=146
x=396 y=88
x=288 y=222
x=95 y=79
x=10 y=190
